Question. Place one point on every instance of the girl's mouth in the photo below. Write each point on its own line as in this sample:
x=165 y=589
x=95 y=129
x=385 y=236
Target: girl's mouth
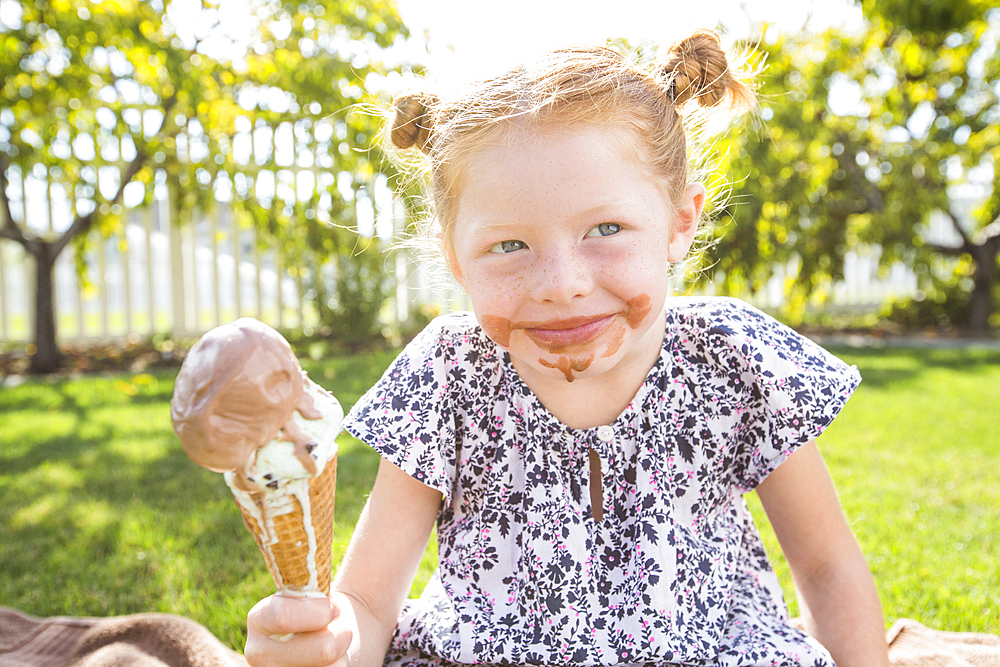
x=563 y=333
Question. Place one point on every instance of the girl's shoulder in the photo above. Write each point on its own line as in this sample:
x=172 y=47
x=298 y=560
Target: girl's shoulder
x=451 y=352
x=448 y=335
x=721 y=329
x=714 y=314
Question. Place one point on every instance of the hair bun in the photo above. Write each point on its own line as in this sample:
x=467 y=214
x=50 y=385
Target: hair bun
x=697 y=69
x=411 y=122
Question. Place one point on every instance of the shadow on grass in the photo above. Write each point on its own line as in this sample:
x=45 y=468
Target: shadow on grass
x=95 y=498
x=108 y=390
x=885 y=367
x=102 y=512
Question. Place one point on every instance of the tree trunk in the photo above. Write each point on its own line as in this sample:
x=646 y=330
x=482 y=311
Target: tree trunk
x=47 y=357
x=984 y=279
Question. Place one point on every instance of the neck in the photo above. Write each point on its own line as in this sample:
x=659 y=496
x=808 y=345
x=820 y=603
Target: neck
x=594 y=401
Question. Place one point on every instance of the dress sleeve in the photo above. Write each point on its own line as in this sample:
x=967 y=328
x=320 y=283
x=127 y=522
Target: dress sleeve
x=784 y=389
x=409 y=416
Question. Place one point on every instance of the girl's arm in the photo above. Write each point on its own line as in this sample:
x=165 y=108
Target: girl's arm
x=372 y=582
x=837 y=595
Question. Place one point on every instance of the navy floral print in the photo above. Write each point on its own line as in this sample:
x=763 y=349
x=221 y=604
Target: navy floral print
x=675 y=572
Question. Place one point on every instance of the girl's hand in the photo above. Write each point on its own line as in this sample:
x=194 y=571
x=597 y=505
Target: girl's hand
x=372 y=582
x=297 y=632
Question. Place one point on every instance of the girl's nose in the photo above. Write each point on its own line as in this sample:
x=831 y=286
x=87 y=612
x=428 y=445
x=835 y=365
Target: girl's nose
x=562 y=276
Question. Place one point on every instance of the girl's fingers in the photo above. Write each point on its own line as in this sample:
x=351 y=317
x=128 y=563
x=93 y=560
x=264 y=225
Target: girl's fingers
x=323 y=648
x=282 y=615
x=296 y=632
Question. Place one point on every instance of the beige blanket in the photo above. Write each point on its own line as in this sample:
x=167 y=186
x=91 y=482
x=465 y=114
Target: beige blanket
x=914 y=645
x=164 y=640
x=140 y=640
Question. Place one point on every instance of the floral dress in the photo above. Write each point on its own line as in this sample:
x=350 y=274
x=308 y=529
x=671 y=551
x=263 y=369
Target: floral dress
x=675 y=572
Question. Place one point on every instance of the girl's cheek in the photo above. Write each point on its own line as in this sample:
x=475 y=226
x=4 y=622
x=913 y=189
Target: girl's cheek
x=494 y=288
x=497 y=328
x=637 y=308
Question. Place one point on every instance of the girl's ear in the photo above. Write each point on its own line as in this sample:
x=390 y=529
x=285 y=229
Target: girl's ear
x=685 y=223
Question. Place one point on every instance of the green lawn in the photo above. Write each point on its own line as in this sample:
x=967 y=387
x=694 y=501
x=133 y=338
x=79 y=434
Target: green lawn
x=916 y=459
x=102 y=513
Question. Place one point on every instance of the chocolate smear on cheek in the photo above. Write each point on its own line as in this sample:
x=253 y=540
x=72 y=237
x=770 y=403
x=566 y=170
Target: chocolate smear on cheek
x=636 y=309
x=497 y=328
x=568 y=365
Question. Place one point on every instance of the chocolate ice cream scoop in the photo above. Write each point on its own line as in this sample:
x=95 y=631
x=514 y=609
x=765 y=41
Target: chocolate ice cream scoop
x=236 y=391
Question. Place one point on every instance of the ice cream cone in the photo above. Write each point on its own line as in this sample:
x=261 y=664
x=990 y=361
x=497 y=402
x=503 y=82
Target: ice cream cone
x=243 y=406
x=298 y=545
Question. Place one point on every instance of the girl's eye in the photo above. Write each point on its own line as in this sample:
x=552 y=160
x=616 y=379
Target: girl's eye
x=604 y=229
x=507 y=246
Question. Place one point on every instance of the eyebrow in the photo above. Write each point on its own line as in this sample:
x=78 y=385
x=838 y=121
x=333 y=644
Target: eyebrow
x=489 y=222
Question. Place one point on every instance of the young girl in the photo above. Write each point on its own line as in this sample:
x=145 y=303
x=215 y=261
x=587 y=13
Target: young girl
x=583 y=441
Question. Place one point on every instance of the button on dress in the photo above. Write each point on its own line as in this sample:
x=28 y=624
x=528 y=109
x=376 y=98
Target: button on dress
x=675 y=571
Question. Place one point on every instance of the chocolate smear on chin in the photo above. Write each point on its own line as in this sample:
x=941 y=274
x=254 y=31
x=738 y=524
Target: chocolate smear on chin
x=567 y=365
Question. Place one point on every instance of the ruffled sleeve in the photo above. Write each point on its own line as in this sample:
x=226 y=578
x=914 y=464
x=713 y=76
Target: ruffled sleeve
x=409 y=417
x=775 y=389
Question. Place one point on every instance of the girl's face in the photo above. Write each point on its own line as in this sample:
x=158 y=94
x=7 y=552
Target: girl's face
x=563 y=244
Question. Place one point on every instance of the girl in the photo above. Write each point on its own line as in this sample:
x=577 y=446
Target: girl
x=582 y=440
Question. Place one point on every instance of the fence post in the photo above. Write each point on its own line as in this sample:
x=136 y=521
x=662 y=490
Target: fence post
x=147 y=225
x=180 y=326
x=124 y=258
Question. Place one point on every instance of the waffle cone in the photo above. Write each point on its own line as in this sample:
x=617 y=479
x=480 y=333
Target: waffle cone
x=287 y=552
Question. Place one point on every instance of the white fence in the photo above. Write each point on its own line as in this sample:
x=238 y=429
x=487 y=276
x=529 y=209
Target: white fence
x=159 y=278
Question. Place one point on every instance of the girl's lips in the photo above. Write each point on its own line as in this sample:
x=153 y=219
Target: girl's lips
x=561 y=333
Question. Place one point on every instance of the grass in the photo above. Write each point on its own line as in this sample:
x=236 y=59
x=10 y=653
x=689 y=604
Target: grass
x=916 y=459
x=102 y=513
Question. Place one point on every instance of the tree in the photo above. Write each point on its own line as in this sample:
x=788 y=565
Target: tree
x=860 y=139
x=104 y=99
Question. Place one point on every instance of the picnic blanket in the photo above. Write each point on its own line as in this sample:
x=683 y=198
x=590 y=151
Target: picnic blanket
x=165 y=640
x=138 y=640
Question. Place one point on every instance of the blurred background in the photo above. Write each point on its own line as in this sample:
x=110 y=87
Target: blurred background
x=170 y=165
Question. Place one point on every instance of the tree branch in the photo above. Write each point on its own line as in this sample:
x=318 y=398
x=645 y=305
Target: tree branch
x=966 y=241
x=872 y=195
x=992 y=230
x=989 y=233
x=949 y=250
x=83 y=222
x=9 y=228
